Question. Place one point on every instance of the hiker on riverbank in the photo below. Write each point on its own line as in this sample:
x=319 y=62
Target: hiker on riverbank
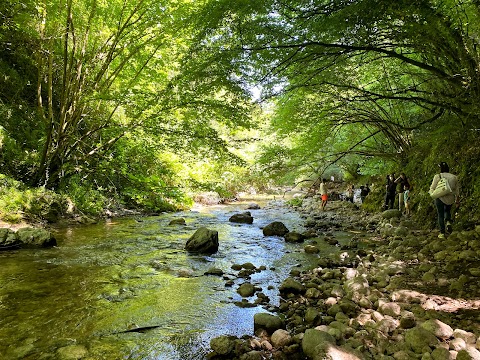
x=364 y=191
x=402 y=181
x=444 y=203
x=406 y=198
x=390 y=191
x=324 y=194
x=349 y=193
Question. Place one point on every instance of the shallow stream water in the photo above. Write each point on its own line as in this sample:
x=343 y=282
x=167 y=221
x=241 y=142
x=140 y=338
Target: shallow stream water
x=104 y=279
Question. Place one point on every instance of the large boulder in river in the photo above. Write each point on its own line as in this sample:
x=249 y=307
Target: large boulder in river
x=275 y=228
x=204 y=241
x=243 y=218
x=30 y=237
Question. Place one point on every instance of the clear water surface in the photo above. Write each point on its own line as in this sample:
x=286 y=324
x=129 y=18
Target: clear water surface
x=104 y=279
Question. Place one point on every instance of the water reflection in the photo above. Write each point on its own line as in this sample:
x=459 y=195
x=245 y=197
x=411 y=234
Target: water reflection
x=106 y=278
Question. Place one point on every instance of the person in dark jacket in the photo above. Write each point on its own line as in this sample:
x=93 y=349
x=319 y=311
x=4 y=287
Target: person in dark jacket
x=391 y=189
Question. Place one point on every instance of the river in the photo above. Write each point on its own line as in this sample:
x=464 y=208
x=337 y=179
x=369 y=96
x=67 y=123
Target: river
x=104 y=279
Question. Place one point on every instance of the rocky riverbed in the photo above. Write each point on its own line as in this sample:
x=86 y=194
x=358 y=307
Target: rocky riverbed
x=396 y=291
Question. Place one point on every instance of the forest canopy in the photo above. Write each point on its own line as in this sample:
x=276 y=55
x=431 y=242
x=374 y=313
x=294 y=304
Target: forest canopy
x=132 y=98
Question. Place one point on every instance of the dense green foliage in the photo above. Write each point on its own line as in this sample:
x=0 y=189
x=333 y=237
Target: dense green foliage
x=96 y=95
x=142 y=102
x=369 y=86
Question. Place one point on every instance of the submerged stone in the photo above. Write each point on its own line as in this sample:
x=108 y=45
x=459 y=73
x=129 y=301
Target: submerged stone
x=243 y=218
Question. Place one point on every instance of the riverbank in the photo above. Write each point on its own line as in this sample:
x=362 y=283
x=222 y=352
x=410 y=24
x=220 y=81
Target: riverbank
x=396 y=291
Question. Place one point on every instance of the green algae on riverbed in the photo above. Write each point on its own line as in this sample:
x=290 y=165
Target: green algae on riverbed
x=114 y=276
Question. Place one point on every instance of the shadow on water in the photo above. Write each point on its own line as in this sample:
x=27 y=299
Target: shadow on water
x=104 y=279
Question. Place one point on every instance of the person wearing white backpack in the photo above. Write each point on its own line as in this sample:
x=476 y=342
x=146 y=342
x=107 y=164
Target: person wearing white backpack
x=444 y=203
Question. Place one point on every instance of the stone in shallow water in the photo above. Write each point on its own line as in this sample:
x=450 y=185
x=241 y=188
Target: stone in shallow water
x=246 y=290
x=179 y=221
x=203 y=241
x=223 y=345
x=275 y=228
x=243 y=218
x=214 y=271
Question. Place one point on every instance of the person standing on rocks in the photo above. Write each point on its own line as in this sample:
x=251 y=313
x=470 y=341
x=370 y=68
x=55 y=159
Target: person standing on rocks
x=444 y=203
x=324 y=194
x=364 y=191
x=391 y=188
x=349 y=193
x=406 y=198
x=402 y=181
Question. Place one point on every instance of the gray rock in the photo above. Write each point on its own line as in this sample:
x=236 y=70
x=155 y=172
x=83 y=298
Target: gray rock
x=392 y=213
x=35 y=238
x=223 y=345
x=248 y=266
x=469 y=337
x=470 y=353
x=281 y=338
x=473 y=352
x=438 y=328
x=290 y=285
x=268 y=322
x=246 y=290
x=214 y=271
x=357 y=287
x=179 y=221
x=407 y=320
x=312 y=315
x=440 y=353
x=401 y=231
x=243 y=218
x=313 y=339
x=253 y=206
x=311 y=249
x=313 y=293
x=203 y=241
x=457 y=344
x=420 y=340
x=275 y=228
x=390 y=308
x=294 y=237
x=8 y=239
